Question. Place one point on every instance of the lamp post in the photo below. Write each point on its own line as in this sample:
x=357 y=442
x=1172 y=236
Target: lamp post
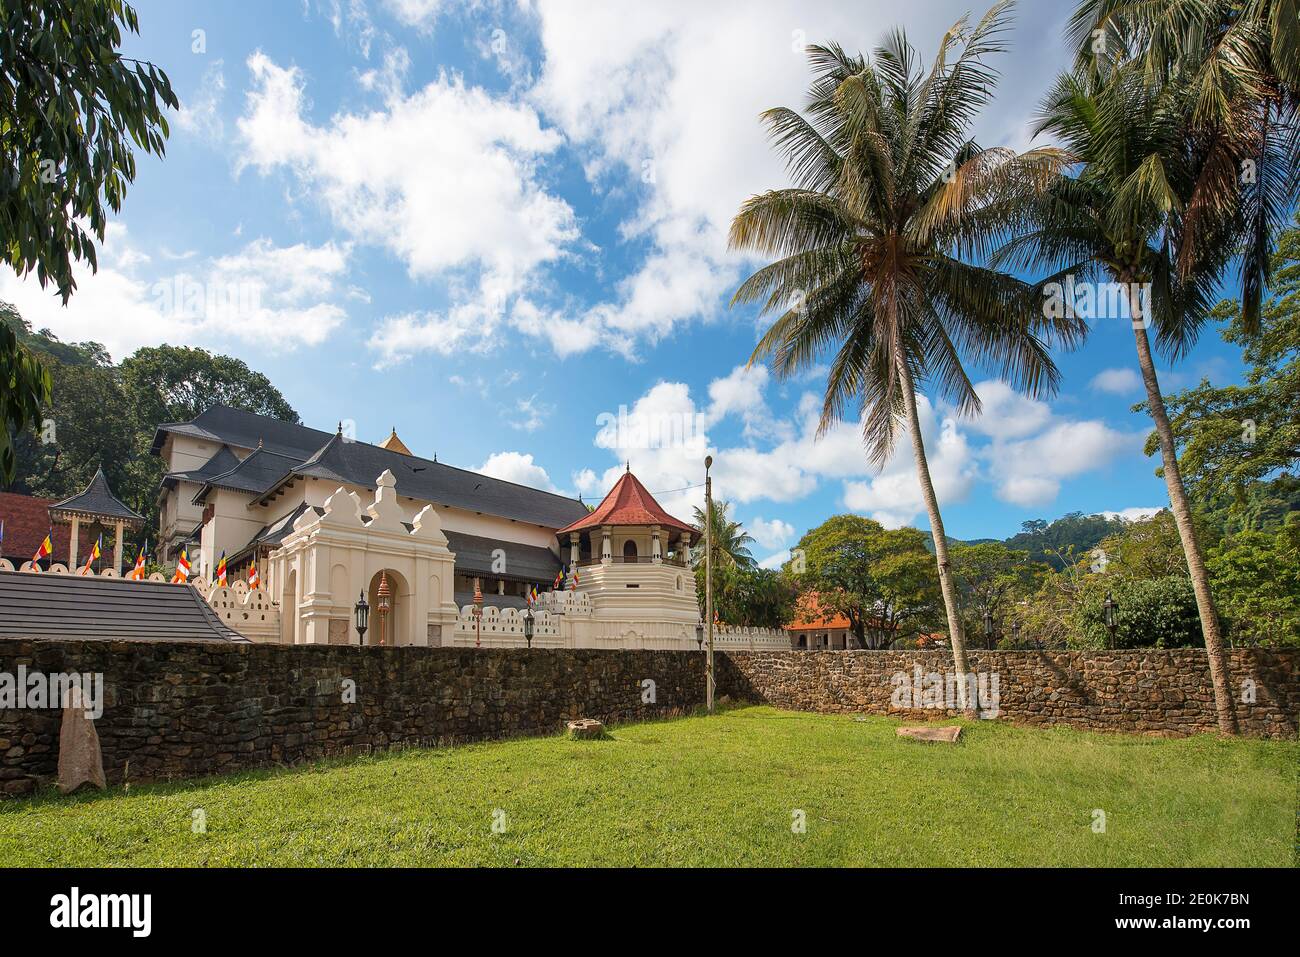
x=363 y=618
x=1015 y=633
x=988 y=628
x=699 y=634
x=708 y=578
x=384 y=605
x=528 y=626
x=1108 y=616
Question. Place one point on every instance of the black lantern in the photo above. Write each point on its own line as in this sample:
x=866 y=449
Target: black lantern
x=363 y=618
x=528 y=626
x=1108 y=616
x=1015 y=633
x=699 y=633
x=988 y=628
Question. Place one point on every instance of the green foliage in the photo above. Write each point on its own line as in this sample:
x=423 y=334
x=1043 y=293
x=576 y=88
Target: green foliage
x=1149 y=548
x=25 y=386
x=1075 y=532
x=1256 y=580
x=1150 y=613
x=1233 y=437
x=107 y=415
x=72 y=109
x=883 y=581
x=990 y=577
x=730 y=541
x=748 y=595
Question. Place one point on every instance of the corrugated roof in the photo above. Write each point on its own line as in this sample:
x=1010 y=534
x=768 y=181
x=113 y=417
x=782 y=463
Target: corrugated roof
x=98 y=499
x=336 y=459
x=628 y=503
x=72 y=606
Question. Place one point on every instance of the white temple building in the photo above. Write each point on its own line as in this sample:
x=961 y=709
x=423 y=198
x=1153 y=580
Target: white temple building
x=326 y=519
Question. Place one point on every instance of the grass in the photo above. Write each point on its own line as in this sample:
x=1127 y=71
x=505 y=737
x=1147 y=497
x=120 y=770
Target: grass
x=700 y=791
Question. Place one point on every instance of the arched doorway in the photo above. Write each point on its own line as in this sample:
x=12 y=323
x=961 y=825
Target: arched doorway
x=396 y=630
x=629 y=551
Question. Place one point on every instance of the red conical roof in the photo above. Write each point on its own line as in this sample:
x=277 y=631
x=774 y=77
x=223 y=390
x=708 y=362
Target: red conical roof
x=628 y=503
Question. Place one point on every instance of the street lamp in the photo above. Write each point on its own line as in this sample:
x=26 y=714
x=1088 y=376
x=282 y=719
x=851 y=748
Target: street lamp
x=363 y=618
x=988 y=628
x=528 y=626
x=1015 y=633
x=1108 y=616
x=384 y=606
x=699 y=633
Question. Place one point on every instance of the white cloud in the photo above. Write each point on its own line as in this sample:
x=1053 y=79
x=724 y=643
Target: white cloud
x=1030 y=471
x=1121 y=381
x=1136 y=513
x=1005 y=413
x=517 y=467
x=276 y=297
x=446 y=178
x=201 y=113
x=771 y=534
x=774 y=562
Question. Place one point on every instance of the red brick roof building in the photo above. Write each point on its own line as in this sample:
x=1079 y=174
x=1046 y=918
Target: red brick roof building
x=27 y=521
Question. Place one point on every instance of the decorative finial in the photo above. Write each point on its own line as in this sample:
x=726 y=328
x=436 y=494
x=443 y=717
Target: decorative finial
x=627 y=467
x=340 y=431
x=259 y=441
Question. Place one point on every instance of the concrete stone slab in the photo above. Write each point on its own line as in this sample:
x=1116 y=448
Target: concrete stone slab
x=925 y=732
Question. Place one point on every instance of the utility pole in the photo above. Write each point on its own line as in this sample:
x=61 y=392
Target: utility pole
x=708 y=578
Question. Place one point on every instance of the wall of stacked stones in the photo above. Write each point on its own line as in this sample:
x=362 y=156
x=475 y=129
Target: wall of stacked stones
x=1151 y=691
x=188 y=709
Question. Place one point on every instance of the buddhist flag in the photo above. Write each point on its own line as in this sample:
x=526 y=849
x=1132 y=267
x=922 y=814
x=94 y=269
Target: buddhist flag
x=253 y=580
x=532 y=595
x=559 y=578
x=45 y=551
x=221 y=570
x=573 y=585
x=95 y=551
x=137 y=573
x=182 y=569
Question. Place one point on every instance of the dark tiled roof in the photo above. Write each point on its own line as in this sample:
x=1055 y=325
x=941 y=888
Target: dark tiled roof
x=70 y=606
x=257 y=473
x=335 y=459
x=526 y=563
x=219 y=464
x=463 y=598
x=221 y=423
x=26 y=523
x=274 y=533
x=98 y=499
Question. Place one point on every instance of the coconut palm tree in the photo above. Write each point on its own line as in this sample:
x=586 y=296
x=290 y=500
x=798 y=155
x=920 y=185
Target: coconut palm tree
x=879 y=245
x=1120 y=216
x=731 y=543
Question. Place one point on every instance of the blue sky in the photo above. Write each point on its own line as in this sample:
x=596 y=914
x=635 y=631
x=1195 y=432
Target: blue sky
x=493 y=224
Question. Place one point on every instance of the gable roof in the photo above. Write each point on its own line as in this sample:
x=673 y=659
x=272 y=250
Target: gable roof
x=628 y=503
x=222 y=462
x=334 y=458
x=809 y=615
x=73 y=606
x=257 y=473
x=96 y=499
x=526 y=563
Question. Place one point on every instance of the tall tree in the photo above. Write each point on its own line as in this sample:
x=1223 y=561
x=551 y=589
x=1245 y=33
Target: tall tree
x=71 y=108
x=731 y=543
x=879 y=245
x=1114 y=222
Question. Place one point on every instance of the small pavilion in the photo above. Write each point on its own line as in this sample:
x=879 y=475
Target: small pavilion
x=96 y=503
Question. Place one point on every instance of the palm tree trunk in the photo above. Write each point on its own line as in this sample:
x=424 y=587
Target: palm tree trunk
x=940 y=540
x=1214 y=648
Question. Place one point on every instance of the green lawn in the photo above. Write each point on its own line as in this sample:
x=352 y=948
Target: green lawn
x=708 y=791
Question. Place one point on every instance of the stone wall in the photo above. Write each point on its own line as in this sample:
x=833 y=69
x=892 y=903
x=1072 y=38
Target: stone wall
x=186 y=709
x=1161 y=692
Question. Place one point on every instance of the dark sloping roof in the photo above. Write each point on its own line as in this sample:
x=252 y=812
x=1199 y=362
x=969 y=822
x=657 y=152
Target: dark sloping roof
x=274 y=533
x=359 y=463
x=219 y=464
x=257 y=473
x=98 y=499
x=335 y=459
x=70 y=606
x=220 y=423
x=526 y=563
x=628 y=503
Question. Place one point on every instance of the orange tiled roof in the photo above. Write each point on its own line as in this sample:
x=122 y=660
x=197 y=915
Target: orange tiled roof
x=628 y=503
x=810 y=616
